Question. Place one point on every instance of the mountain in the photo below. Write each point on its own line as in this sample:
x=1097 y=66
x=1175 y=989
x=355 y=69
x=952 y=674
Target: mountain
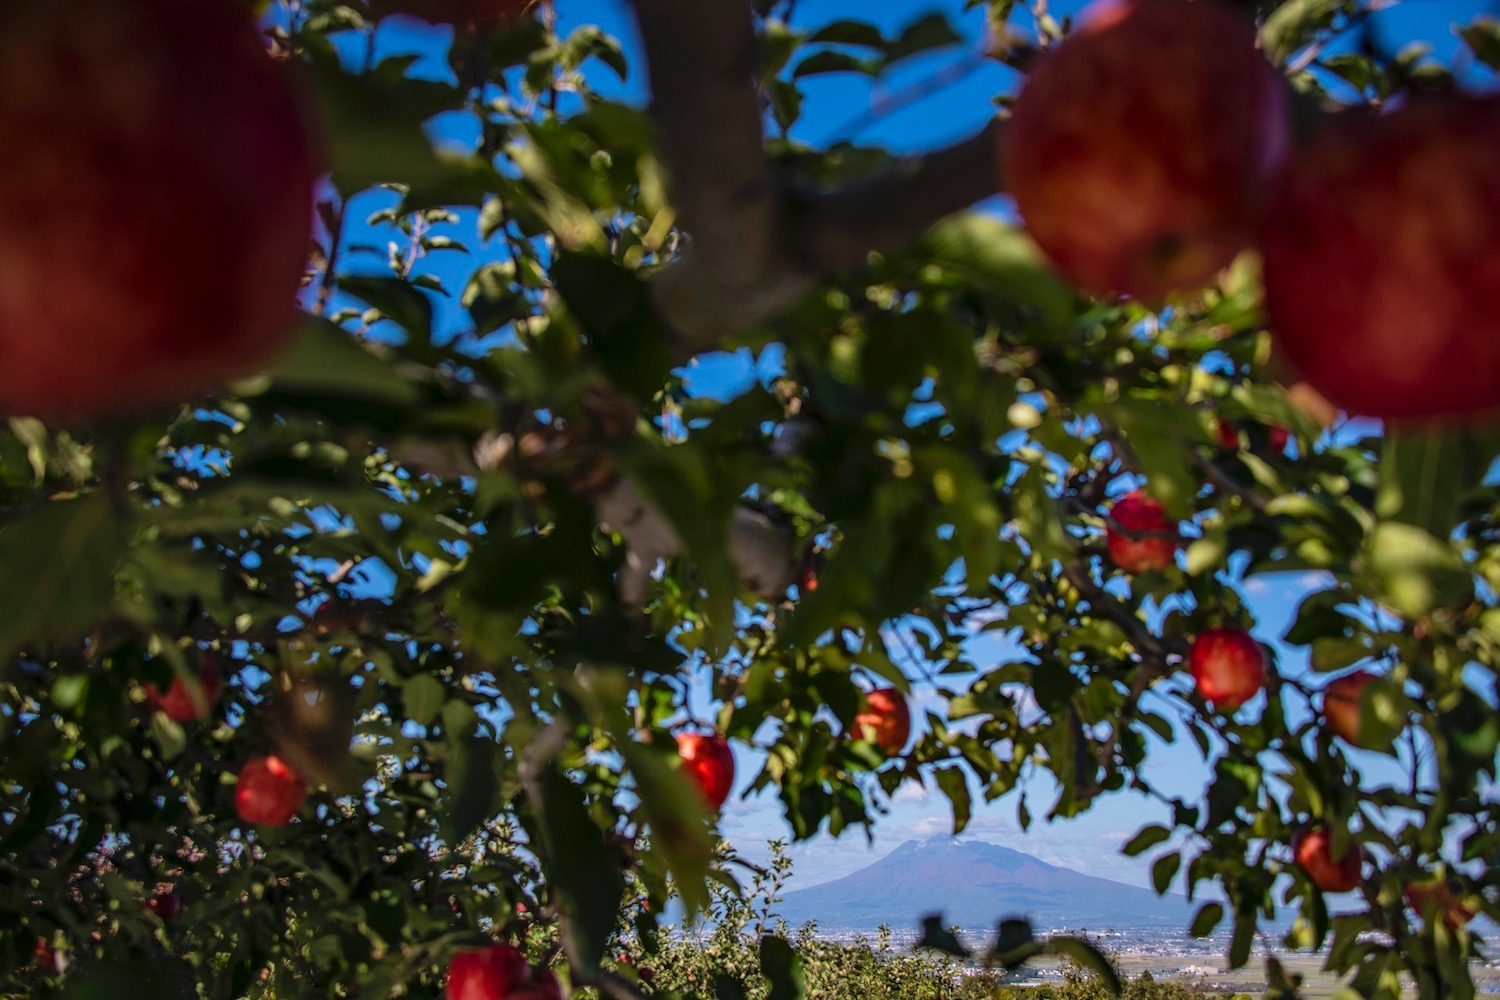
x=973 y=884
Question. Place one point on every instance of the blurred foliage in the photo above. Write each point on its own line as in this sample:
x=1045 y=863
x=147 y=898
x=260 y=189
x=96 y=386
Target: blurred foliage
x=392 y=542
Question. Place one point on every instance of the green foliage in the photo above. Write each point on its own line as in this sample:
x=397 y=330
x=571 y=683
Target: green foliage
x=466 y=549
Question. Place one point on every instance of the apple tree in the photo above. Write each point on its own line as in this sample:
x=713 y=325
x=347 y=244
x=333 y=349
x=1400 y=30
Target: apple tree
x=357 y=642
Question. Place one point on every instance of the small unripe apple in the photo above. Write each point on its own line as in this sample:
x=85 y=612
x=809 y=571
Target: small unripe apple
x=885 y=720
x=1313 y=850
x=1341 y=706
x=269 y=792
x=154 y=222
x=1439 y=900
x=1228 y=667
x=1140 y=537
x=166 y=904
x=186 y=702
x=709 y=764
x=1141 y=150
x=1382 y=260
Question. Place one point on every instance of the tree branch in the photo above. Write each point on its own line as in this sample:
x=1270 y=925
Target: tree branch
x=759 y=241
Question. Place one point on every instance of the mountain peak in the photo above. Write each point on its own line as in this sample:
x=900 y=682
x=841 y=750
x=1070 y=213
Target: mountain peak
x=974 y=883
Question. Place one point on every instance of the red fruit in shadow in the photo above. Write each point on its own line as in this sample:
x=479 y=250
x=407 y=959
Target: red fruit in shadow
x=885 y=720
x=1141 y=149
x=1341 y=706
x=1439 y=900
x=543 y=986
x=269 y=792
x=1140 y=536
x=487 y=973
x=166 y=904
x=1227 y=436
x=709 y=764
x=44 y=958
x=1313 y=850
x=154 y=223
x=186 y=702
x=1228 y=667
x=1382 y=260
x=1277 y=438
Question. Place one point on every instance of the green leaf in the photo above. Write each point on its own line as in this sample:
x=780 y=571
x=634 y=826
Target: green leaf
x=591 y=41
x=728 y=988
x=956 y=786
x=674 y=813
x=833 y=62
x=399 y=301
x=923 y=35
x=939 y=938
x=59 y=560
x=614 y=308
x=782 y=968
x=423 y=697
x=1163 y=870
x=582 y=866
x=1482 y=35
x=1206 y=919
x=1088 y=957
x=1015 y=942
x=1286 y=27
x=327 y=360
x=472 y=784
x=1001 y=260
x=1145 y=839
x=848 y=33
x=1419 y=573
x=1425 y=475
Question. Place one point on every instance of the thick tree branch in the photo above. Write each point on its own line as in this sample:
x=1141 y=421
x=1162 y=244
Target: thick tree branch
x=758 y=241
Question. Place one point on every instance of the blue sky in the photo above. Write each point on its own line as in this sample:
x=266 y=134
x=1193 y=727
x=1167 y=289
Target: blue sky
x=846 y=106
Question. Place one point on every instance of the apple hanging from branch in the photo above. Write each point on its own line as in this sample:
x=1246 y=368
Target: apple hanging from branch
x=709 y=765
x=1228 y=667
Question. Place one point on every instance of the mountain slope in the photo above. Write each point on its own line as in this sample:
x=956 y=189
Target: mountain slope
x=974 y=884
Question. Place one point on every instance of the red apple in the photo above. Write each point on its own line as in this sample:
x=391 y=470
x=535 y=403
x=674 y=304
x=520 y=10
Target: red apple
x=1313 y=850
x=154 y=223
x=885 y=720
x=1277 y=438
x=1141 y=150
x=1442 y=900
x=166 y=904
x=1382 y=260
x=1227 y=436
x=709 y=764
x=186 y=702
x=1341 y=706
x=1140 y=536
x=453 y=11
x=487 y=973
x=543 y=986
x=269 y=792
x=1228 y=667
x=44 y=957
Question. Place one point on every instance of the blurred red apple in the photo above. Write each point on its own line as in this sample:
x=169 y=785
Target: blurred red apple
x=1439 y=899
x=154 y=223
x=1227 y=436
x=1228 y=667
x=1382 y=260
x=269 y=792
x=166 y=904
x=1277 y=438
x=885 y=720
x=1140 y=536
x=1313 y=850
x=1341 y=706
x=709 y=764
x=1141 y=149
x=186 y=702
x=487 y=973
x=43 y=956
